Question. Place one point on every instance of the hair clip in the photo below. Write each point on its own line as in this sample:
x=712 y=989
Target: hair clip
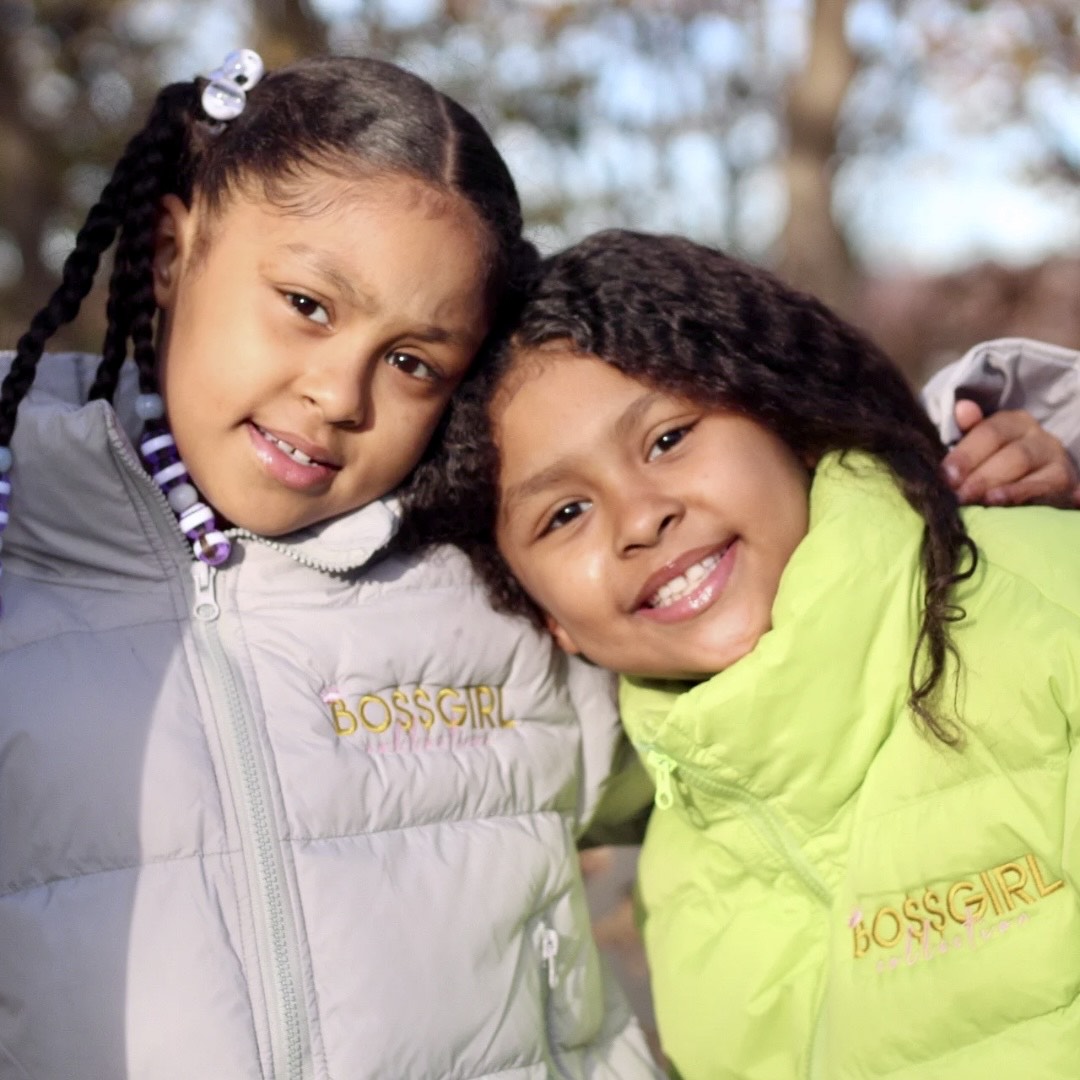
x=226 y=91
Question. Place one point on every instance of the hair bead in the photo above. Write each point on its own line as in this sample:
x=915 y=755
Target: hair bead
x=149 y=407
x=182 y=497
x=197 y=521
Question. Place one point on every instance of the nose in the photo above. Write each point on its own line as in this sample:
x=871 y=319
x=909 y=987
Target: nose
x=340 y=387
x=645 y=513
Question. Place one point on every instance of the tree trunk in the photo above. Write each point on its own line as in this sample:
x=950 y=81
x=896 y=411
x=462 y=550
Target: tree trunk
x=814 y=253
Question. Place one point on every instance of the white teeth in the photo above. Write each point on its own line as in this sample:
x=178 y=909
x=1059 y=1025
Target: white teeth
x=284 y=447
x=689 y=579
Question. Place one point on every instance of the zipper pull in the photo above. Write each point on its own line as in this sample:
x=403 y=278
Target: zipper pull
x=549 y=949
x=665 y=771
x=206 y=605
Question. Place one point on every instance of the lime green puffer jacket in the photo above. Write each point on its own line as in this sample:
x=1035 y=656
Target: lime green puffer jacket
x=827 y=892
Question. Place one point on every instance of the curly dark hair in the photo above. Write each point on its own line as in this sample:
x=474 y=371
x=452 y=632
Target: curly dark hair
x=350 y=115
x=695 y=322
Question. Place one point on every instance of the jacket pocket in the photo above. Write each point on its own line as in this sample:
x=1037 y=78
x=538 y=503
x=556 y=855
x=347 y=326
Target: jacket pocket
x=547 y=942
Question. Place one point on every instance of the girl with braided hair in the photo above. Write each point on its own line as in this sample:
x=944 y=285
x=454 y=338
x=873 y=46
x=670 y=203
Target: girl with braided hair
x=858 y=701
x=273 y=802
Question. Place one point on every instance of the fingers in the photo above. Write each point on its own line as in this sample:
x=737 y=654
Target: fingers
x=1009 y=459
x=967 y=414
x=1050 y=485
x=974 y=452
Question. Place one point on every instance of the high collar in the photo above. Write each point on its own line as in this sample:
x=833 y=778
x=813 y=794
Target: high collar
x=82 y=504
x=799 y=720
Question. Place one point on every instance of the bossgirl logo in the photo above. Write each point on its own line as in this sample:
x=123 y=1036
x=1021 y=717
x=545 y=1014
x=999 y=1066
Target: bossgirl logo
x=968 y=914
x=419 y=717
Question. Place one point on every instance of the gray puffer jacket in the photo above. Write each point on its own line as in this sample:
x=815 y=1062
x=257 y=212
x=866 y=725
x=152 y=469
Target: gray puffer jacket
x=1012 y=373
x=296 y=818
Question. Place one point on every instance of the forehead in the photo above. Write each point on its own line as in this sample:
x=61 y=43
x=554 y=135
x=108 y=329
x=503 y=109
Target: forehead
x=328 y=196
x=529 y=363
x=557 y=402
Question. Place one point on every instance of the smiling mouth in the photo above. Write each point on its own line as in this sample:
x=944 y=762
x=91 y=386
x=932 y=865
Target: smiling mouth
x=291 y=451
x=683 y=584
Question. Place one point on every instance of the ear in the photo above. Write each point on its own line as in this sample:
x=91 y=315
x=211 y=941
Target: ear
x=562 y=638
x=171 y=239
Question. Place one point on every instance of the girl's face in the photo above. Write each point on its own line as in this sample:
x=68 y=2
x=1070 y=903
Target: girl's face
x=309 y=351
x=651 y=530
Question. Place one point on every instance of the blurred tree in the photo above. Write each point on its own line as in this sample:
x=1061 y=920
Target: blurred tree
x=767 y=126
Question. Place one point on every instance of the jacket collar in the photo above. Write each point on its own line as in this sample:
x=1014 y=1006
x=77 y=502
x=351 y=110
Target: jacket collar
x=82 y=503
x=799 y=720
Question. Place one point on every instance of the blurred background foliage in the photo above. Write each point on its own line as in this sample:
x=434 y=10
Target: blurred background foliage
x=914 y=162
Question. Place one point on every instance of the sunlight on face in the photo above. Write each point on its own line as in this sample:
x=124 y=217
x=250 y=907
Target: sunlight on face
x=652 y=531
x=309 y=352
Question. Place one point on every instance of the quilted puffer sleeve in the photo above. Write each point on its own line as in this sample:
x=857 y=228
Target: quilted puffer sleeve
x=1012 y=373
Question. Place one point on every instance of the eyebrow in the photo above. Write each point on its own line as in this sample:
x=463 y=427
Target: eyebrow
x=318 y=262
x=440 y=335
x=555 y=473
x=364 y=301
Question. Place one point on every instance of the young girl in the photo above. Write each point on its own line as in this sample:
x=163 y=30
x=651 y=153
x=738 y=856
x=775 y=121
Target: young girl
x=858 y=702
x=270 y=807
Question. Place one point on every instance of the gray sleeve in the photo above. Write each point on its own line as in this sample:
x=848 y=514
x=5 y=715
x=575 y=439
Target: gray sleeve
x=60 y=377
x=1012 y=373
x=616 y=793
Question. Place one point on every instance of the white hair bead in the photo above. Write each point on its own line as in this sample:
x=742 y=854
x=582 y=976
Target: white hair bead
x=182 y=497
x=194 y=516
x=156 y=443
x=149 y=407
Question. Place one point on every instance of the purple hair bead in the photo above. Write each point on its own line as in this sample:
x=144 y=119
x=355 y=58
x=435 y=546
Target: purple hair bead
x=197 y=522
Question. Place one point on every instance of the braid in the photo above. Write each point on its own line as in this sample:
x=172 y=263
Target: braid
x=78 y=276
x=129 y=196
x=154 y=164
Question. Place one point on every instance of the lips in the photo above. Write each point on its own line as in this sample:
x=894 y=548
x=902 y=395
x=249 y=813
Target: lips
x=688 y=585
x=291 y=461
x=298 y=448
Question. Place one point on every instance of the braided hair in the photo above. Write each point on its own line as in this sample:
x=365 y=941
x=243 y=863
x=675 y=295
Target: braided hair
x=693 y=322
x=352 y=115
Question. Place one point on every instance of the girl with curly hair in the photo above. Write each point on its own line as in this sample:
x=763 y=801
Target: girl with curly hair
x=856 y=699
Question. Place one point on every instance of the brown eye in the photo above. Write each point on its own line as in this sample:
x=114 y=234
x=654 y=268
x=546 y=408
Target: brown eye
x=566 y=514
x=668 y=441
x=412 y=365
x=311 y=310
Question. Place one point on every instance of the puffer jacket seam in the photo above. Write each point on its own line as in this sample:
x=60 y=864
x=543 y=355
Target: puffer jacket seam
x=957 y=1051
x=1051 y=766
x=355 y=835
x=143 y=861
x=1015 y=575
x=500 y=1068
x=11 y=650
x=7 y=1056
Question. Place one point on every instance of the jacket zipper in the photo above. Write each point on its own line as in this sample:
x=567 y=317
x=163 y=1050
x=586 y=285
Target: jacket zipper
x=761 y=819
x=549 y=951
x=290 y=1039
x=769 y=830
